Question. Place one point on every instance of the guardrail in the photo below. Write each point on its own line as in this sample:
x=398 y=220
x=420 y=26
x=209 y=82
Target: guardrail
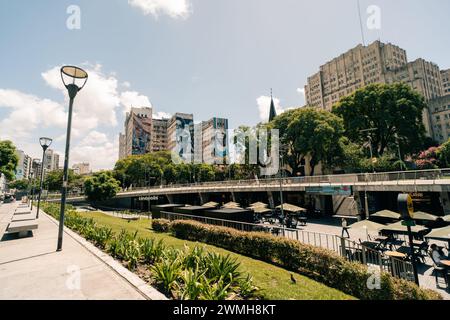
x=414 y=177
x=346 y=248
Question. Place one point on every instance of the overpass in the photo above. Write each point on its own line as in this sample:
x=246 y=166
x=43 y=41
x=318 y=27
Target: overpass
x=341 y=188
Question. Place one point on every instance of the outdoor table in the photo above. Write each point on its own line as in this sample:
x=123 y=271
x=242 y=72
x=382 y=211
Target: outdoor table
x=371 y=244
x=381 y=238
x=395 y=254
x=445 y=262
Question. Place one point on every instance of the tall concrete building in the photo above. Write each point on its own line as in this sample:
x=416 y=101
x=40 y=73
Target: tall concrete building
x=376 y=63
x=159 y=135
x=440 y=118
x=23 y=169
x=180 y=133
x=137 y=132
x=445 y=77
x=51 y=161
x=82 y=168
x=215 y=141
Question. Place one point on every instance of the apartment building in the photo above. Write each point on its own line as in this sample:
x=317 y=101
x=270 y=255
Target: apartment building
x=376 y=63
x=180 y=133
x=82 y=168
x=445 y=78
x=51 y=161
x=137 y=135
x=23 y=169
x=159 y=135
x=214 y=141
x=352 y=70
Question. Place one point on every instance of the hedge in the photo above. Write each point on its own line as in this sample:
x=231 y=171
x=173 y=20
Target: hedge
x=320 y=264
x=161 y=225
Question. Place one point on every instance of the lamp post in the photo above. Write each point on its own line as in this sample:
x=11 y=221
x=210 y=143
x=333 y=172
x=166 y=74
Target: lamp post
x=74 y=79
x=45 y=143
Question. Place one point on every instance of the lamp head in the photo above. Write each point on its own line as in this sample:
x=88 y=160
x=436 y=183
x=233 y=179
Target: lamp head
x=74 y=79
x=45 y=142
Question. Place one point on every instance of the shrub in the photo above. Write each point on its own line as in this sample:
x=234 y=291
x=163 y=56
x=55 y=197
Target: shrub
x=160 y=225
x=320 y=264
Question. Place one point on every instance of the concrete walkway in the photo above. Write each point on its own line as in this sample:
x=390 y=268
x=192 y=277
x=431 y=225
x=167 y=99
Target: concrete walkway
x=30 y=268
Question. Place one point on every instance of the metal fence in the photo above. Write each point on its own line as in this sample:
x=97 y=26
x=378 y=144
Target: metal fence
x=346 y=248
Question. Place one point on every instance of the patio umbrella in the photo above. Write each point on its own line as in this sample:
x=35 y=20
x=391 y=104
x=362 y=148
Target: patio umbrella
x=398 y=227
x=291 y=208
x=231 y=205
x=211 y=204
x=446 y=218
x=420 y=215
x=258 y=204
x=387 y=214
x=261 y=210
x=367 y=224
x=440 y=234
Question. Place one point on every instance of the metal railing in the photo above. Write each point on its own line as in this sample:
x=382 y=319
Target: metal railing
x=396 y=177
x=346 y=248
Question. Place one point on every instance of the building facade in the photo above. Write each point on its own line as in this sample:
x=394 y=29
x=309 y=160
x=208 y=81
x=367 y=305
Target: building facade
x=137 y=135
x=445 y=78
x=440 y=118
x=180 y=133
x=51 y=161
x=215 y=141
x=23 y=169
x=82 y=168
x=376 y=63
x=159 y=137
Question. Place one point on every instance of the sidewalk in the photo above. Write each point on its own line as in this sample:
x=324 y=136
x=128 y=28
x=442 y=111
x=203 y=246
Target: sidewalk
x=30 y=268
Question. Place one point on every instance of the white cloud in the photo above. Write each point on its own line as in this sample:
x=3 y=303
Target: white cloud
x=173 y=8
x=94 y=138
x=96 y=104
x=263 y=103
x=130 y=99
x=28 y=112
x=101 y=156
x=27 y=116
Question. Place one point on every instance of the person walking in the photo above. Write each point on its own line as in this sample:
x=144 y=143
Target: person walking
x=345 y=228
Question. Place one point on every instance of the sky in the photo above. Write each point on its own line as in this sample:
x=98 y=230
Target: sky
x=206 y=57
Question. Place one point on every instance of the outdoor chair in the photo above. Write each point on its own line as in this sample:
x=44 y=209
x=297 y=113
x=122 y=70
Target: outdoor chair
x=438 y=270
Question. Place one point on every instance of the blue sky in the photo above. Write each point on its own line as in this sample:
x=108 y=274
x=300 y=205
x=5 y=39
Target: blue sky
x=206 y=57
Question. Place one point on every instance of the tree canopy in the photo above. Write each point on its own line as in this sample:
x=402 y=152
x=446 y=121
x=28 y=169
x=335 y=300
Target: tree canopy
x=393 y=110
x=8 y=159
x=101 y=186
x=309 y=133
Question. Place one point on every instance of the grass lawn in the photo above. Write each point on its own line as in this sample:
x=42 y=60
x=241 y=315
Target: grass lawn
x=273 y=282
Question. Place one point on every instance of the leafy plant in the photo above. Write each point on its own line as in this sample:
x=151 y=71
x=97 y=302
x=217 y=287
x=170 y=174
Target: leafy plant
x=166 y=273
x=192 y=285
x=214 y=290
x=151 y=250
x=220 y=267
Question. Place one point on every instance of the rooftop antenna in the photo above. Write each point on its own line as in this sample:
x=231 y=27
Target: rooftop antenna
x=360 y=23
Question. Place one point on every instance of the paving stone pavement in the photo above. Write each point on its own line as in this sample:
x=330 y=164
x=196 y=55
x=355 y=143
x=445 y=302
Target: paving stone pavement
x=30 y=268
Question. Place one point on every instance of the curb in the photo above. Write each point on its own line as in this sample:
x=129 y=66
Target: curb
x=147 y=291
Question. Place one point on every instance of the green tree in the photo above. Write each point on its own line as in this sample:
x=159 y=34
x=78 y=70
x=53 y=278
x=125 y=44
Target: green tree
x=309 y=133
x=53 y=180
x=8 y=159
x=101 y=186
x=443 y=154
x=394 y=110
x=23 y=184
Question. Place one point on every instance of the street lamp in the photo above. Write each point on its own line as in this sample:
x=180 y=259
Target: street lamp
x=45 y=143
x=74 y=79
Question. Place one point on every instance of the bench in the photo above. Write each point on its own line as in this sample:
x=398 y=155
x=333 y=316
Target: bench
x=22 y=211
x=22 y=227
x=23 y=217
x=23 y=205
